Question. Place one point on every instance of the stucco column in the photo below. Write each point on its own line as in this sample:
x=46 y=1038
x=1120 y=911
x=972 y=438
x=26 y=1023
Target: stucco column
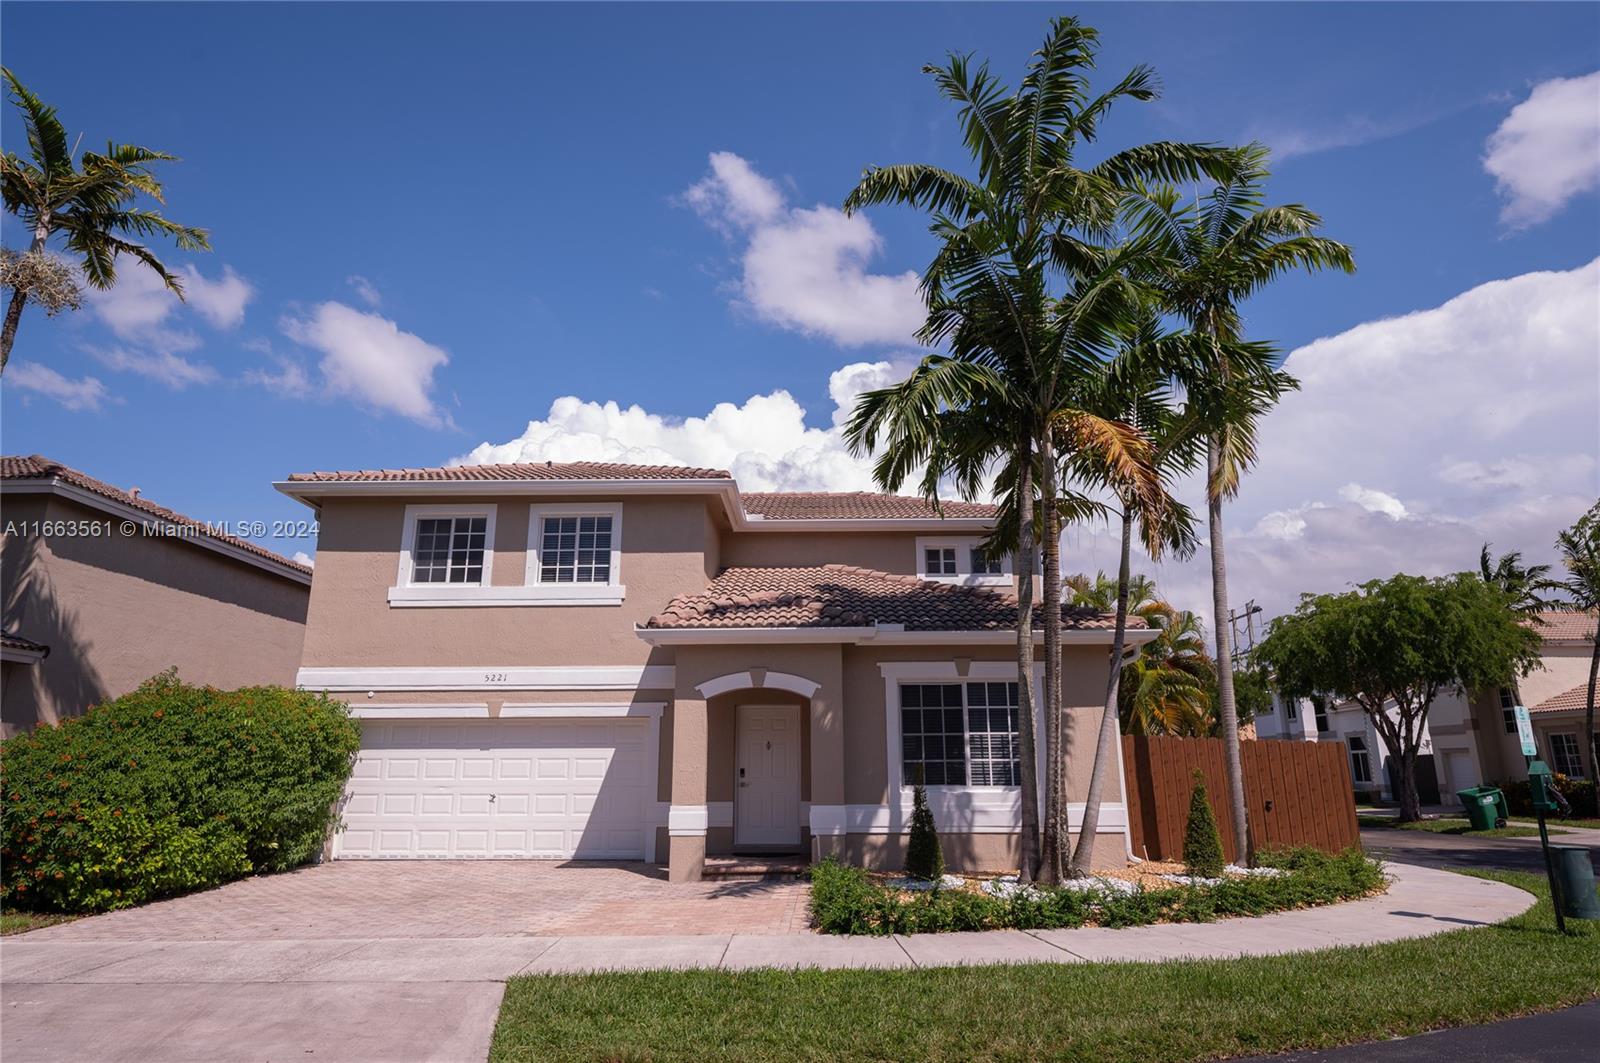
x=686 y=818
x=827 y=756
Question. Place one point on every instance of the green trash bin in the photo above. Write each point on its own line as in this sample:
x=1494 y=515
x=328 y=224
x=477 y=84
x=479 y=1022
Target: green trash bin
x=1575 y=879
x=1485 y=805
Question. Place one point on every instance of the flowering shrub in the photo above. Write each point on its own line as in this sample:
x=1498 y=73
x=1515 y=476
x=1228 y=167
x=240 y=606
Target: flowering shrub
x=170 y=788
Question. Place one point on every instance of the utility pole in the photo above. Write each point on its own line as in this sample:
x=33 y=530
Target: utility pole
x=1244 y=646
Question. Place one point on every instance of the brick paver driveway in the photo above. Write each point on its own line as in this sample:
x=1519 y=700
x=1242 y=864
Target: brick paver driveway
x=455 y=899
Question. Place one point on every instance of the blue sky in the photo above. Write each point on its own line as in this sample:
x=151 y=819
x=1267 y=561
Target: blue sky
x=513 y=184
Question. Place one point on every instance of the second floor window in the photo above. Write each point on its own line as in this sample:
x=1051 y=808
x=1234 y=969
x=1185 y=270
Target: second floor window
x=940 y=560
x=575 y=549
x=1508 y=705
x=1319 y=712
x=449 y=550
x=983 y=564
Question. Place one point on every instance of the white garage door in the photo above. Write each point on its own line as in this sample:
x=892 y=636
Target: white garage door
x=549 y=789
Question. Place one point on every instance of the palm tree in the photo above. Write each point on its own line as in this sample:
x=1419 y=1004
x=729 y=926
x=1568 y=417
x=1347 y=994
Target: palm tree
x=1520 y=583
x=1213 y=256
x=1016 y=344
x=1580 y=555
x=89 y=206
x=1166 y=689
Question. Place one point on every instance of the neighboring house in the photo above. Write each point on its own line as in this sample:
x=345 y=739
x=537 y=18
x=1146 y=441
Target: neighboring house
x=104 y=589
x=638 y=662
x=1472 y=736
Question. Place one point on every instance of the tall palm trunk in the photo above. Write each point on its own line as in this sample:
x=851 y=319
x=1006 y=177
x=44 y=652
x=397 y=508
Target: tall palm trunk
x=1053 y=863
x=19 y=298
x=1227 y=710
x=1592 y=746
x=1083 y=855
x=1028 y=776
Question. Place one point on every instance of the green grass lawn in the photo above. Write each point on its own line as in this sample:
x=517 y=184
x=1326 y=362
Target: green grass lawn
x=21 y=922
x=1194 y=1010
x=1454 y=826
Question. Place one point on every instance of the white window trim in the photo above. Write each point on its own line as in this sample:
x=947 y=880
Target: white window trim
x=408 y=542
x=1577 y=749
x=540 y=593
x=963 y=546
x=960 y=809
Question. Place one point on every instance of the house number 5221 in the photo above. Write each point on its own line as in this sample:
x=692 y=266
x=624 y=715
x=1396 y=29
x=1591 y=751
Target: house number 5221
x=494 y=677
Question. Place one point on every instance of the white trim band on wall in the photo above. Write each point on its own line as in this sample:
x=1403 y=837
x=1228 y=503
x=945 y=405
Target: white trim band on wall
x=794 y=684
x=488 y=677
x=420 y=712
x=580 y=710
x=829 y=821
x=687 y=821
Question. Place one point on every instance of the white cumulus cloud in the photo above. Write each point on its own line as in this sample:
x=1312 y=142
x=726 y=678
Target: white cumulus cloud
x=221 y=301
x=805 y=268
x=160 y=364
x=1373 y=501
x=1547 y=150
x=85 y=393
x=764 y=441
x=369 y=358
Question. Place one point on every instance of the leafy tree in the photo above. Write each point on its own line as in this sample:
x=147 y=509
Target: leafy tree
x=1391 y=646
x=1024 y=328
x=1580 y=556
x=1212 y=256
x=90 y=206
x=1202 y=841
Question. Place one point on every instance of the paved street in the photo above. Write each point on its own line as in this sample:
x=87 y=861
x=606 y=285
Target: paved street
x=1461 y=852
x=1559 y=1035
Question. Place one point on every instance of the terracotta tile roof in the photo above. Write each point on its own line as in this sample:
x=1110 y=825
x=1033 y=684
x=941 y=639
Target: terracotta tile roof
x=1565 y=624
x=1576 y=698
x=540 y=470
x=853 y=505
x=847 y=596
x=12 y=641
x=38 y=467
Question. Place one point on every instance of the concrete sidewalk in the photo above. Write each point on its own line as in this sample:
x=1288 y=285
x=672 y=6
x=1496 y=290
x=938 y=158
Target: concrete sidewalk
x=437 y=998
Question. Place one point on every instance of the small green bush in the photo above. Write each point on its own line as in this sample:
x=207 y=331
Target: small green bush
x=924 y=858
x=170 y=788
x=846 y=900
x=1202 y=843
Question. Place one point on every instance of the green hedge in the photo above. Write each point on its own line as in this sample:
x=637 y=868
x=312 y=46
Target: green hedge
x=1580 y=794
x=846 y=900
x=170 y=788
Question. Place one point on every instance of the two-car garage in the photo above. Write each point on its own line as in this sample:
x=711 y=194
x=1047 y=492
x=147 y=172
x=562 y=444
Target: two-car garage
x=580 y=787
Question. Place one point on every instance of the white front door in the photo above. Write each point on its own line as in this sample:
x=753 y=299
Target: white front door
x=766 y=799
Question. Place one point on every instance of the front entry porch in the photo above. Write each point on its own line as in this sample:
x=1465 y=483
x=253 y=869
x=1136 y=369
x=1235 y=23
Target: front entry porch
x=745 y=764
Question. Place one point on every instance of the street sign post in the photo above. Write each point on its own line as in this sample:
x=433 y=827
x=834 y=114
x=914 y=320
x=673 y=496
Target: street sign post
x=1525 y=731
x=1542 y=791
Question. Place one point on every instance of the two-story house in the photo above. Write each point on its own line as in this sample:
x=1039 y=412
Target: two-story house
x=103 y=588
x=607 y=661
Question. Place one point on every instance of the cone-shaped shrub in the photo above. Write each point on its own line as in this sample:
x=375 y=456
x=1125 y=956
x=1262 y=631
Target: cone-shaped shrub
x=1202 y=844
x=924 y=859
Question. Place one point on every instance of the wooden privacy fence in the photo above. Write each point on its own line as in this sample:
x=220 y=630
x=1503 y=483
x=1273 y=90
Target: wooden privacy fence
x=1297 y=793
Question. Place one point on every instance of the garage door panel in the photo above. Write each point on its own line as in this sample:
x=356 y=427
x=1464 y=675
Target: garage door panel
x=525 y=788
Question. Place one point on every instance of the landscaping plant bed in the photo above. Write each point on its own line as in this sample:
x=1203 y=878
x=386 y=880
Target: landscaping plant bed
x=849 y=900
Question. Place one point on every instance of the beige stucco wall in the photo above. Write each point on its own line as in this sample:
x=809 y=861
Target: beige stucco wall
x=117 y=609
x=351 y=623
x=884 y=551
